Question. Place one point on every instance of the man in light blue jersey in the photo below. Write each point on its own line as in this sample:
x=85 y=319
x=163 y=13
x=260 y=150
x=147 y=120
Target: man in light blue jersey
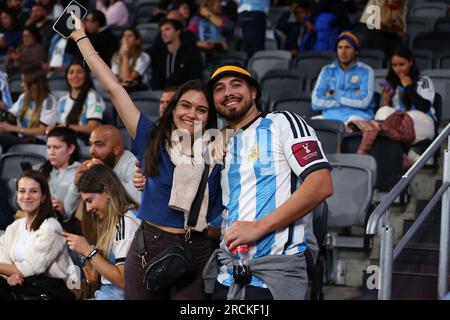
x=344 y=90
x=266 y=157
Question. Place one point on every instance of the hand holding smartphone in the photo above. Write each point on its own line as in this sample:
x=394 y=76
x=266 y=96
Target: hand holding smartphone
x=65 y=25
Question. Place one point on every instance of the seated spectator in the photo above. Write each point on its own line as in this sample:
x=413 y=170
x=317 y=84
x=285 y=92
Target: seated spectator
x=130 y=64
x=109 y=224
x=33 y=247
x=30 y=53
x=82 y=108
x=20 y=15
x=63 y=155
x=166 y=96
x=297 y=25
x=35 y=110
x=58 y=58
x=344 y=90
x=406 y=90
x=40 y=19
x=211 y=27
x=175 y=62
x=54 y=7
x=184 y=7
x=6 y=100
x=187 y=37
x=116 y=12
x=106 y=147
x=100 y=35
x=10 y=37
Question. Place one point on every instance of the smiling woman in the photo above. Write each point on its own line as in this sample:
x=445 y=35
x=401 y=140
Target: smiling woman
x=32 y=246
x=108 y=224
x=153 y=146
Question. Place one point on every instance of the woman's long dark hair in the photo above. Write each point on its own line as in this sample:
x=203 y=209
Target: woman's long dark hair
x=162 y=131
x=404 y=52
x=69 y=137
x=45 y=210
x=74 y=114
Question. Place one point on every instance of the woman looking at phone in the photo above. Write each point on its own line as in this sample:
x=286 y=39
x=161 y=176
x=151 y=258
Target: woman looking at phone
x=405 y=90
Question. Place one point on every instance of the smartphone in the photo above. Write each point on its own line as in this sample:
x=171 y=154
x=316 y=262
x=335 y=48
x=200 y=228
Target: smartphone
x=25 y=165
x=385 y=85
x=65 y=25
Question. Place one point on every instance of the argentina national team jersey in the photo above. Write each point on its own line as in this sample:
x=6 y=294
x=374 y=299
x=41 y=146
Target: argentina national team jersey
x=263 y=164
x=48 y=116
x=93 y=108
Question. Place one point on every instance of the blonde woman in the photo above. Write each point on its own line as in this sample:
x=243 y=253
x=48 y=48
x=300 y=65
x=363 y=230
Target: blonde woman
x=32 y=113
x=108 y=224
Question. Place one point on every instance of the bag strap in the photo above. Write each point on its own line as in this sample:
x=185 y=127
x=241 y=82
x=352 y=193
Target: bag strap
x=197 y=203
x=141 y=244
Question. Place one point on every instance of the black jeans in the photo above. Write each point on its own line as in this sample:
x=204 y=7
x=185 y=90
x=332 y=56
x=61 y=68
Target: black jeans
x=157 y=240
x=251 y=293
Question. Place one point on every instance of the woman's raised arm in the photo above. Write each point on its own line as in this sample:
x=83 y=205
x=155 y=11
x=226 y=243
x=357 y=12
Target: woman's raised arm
x=125 y=107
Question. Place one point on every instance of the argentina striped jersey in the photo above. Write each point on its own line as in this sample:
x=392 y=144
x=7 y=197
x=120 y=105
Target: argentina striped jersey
x=261 y=161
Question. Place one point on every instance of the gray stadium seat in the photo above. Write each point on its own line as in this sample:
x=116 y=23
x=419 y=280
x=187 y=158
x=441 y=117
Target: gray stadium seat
x=329 y=132
x=148 y=32
x=300 y=105
x=310 y=63
x=380 y=77
x=40 y=149
x=57 y=82
x=430 y=11
x=147 y=102
x=415 y=25
x=441 y=81
x=373 y=57
x=126 y=138
x=353 y=183
x=10 y=163
x=442 y=24
x=282 y=83
x=143 y=11
x=263 y=61
x=424 y=58
x=434 y=41
x=349 y=203
x=443 y=60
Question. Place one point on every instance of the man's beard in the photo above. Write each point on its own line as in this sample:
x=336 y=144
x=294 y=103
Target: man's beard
x=238 y=114
x=110 y=160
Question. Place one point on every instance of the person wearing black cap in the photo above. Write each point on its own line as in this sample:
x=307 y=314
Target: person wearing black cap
x=344 y=90
x=266 y=157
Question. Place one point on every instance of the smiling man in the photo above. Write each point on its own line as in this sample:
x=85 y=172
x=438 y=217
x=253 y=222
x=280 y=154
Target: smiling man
x=265 y=208
x=344 y=90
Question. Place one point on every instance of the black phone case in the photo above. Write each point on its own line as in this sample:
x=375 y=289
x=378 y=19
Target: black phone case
x=62 y=25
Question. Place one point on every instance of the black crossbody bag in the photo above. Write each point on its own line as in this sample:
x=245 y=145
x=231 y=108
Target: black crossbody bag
x=177 y=262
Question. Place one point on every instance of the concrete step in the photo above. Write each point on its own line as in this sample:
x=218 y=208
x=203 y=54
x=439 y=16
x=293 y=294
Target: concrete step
x=414 y=286
x=417 y=253
x=435 y=214
x=429 y=232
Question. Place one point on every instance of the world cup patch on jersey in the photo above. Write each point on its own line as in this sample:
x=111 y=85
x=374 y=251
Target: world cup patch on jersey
x=354 y=79
x=306 y=152
x=98 y=108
